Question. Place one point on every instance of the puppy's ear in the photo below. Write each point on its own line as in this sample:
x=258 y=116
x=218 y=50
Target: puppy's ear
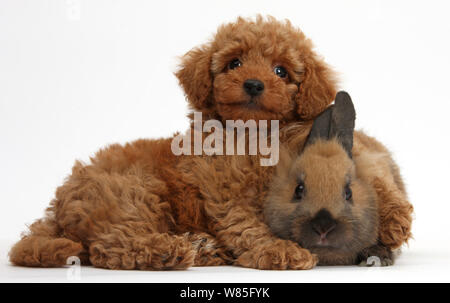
x=195 y=77
x=317 y=89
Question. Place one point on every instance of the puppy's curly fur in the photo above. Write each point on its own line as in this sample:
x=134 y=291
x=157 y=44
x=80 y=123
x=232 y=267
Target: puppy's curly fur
x=216 y=91
x=138 y=206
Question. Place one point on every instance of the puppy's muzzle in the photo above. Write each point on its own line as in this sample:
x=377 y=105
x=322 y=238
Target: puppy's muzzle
x=253 y=87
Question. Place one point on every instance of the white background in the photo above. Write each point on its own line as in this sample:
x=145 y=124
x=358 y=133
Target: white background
x=77 y=75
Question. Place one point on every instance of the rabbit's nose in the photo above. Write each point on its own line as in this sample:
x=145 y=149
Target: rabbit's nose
x=323 y=223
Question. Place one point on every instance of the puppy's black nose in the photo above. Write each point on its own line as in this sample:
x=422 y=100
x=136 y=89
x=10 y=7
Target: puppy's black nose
x=253 y=87
x=323 y=223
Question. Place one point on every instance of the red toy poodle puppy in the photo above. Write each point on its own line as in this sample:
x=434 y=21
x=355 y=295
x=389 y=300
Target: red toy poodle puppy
x=139 y=206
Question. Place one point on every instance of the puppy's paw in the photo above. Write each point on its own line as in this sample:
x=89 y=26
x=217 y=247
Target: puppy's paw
x=208 y=251
x=377 y=255
x=278 y=255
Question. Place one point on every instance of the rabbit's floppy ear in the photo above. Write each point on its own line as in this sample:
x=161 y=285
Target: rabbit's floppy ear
x=321 y=127
x=337 y=121
x=342 y=122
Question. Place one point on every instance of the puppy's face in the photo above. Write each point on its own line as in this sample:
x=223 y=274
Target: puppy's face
x=257 y=83
x=260 y=70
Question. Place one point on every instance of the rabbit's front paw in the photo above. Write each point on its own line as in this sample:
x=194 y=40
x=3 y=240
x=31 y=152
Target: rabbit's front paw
x=280 y=254
x=376 y=255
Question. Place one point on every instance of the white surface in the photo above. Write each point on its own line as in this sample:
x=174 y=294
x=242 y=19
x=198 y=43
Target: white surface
x=76 y=75
x=414 y=265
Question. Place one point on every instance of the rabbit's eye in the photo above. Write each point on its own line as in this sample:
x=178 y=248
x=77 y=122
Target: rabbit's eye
x=234 y=63
x=299 y=191
x=348 y=193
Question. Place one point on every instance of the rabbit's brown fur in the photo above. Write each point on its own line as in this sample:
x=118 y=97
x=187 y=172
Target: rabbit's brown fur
x=203 y=211
x=138 y=206
x=325 y=199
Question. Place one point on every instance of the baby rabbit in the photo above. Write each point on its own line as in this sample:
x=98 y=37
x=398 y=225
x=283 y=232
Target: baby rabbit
x=319 y=200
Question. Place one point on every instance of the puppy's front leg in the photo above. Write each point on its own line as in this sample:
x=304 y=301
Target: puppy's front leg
x=254 y=246
x=395 y=213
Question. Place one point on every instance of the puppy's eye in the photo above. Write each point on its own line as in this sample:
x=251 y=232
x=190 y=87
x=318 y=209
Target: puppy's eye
x=299 y=191
x=348 y=192
x=234 y=64
x=280 y=71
